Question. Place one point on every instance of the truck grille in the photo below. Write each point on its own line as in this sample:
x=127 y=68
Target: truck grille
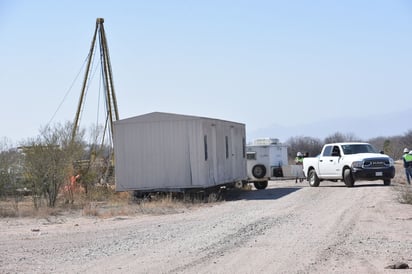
x=376 y=163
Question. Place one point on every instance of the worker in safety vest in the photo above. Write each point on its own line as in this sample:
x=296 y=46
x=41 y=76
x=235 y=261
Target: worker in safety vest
x=299 y=158
x=70 y=188
x=407 y=164
x=299 y=161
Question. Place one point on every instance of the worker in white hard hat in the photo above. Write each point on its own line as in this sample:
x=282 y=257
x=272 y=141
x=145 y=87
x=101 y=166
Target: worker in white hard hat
x=299 y=161
x=299 y=158
x=407 y=164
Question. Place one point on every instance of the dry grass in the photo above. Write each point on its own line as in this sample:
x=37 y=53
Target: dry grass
x=169 y=203
x=160 y=204
x=405 y=194
x=156 y=204
x=23 y=207
x=105 y=203
x=92 y=204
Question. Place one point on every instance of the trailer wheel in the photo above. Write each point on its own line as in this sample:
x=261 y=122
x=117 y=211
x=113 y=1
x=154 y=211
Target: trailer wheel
x=313 y=178
x=261 y=185
x=259 y=171
x=347 y=178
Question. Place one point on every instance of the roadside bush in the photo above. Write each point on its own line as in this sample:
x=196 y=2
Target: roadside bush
x=100 y=193
x=9 y=209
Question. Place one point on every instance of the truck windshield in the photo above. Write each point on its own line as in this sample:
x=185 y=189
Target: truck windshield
x=358 y=148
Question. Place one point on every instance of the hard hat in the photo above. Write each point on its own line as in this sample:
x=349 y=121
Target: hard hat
x=299 y=154
x=405 y=150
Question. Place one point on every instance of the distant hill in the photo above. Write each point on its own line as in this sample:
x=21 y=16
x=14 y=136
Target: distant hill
x=364 y=127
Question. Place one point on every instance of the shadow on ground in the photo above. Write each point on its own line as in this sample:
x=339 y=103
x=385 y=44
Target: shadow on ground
x=357 y=184
x=264 y=194
x=279 y=192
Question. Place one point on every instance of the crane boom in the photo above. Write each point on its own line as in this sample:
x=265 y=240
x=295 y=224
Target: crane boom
x=110 y=96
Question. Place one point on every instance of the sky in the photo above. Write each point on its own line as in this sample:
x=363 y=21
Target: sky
x=272 y=65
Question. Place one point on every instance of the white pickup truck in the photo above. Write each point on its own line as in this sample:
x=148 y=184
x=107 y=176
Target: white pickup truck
x=349 y=162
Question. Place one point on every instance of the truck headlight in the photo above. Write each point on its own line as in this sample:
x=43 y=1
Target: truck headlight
x=357 y=164
x=391 y=162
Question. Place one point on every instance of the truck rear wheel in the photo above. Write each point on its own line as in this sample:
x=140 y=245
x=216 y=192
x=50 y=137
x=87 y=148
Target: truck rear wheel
x=259 y=171
x=261 y=185
x=347 y=178
x=313 y=178
x=387 y=182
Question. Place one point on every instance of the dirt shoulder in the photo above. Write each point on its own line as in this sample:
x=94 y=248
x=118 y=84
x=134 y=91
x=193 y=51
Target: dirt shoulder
x=287 y=228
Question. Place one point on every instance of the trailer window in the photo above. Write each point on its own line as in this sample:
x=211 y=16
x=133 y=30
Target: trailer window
x=251 y=156
x=227 y=147
x=244 y=147
x=205 y=144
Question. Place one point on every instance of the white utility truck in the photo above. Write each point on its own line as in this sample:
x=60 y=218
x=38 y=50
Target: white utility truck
x=265 y=159
x=349 y=162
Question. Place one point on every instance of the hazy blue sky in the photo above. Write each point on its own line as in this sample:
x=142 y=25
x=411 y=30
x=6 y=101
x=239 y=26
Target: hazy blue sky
x=262 y=63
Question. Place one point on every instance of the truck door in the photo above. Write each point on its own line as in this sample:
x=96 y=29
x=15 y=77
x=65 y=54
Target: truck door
x=329 y=162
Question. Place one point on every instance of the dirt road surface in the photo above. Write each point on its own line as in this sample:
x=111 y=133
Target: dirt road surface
x=287 y=228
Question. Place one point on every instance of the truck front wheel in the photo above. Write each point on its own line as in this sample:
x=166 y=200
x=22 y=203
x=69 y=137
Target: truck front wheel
x=261 y=184
x=347 y=178
x=313 y=178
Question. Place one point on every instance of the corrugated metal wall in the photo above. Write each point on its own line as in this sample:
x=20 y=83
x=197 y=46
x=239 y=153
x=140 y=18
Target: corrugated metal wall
x=160 y=150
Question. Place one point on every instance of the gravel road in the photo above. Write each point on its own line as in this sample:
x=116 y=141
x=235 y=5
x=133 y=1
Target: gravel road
x=286 y=228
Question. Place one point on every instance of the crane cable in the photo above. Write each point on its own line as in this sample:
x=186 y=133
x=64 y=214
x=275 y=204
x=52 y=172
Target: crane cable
x=68 y=91
x=91 y=76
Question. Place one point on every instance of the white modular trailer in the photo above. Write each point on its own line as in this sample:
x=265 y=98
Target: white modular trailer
x=265 y=159
x=171 y=152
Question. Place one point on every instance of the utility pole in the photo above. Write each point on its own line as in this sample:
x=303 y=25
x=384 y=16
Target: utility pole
x=110 y=96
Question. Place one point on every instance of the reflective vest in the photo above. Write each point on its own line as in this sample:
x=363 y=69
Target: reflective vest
x=407 y=158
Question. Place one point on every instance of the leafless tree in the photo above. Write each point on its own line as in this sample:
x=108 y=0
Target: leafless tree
x=340 y=137
x=10 y=168
x=303 y=144
x=406 y=139
x=391 y=146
